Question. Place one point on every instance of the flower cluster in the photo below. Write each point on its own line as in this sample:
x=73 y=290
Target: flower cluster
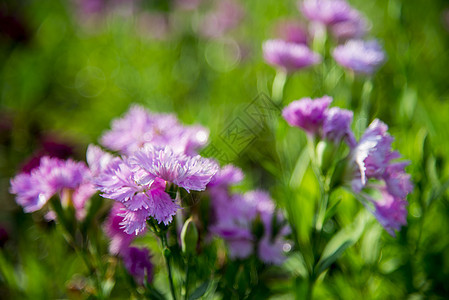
x=289 y=56
x=371 y=162
x=372 y=159
x=317 y=119
x=343 y=22
x=247 y=222
x=157 y=151
x=362 y=57
x=136 y=260
x=67 y=178
x=140 y=127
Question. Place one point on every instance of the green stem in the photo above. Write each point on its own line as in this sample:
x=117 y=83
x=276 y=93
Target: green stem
x=277 y=91
x=165 y=250
x=186 y=283
x=364 y=109
x=322 y=209
x=310 y=286
x=82 y=251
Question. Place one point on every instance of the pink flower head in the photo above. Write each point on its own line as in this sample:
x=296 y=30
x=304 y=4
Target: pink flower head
x=98 y=160
x=307 y=114
x=390 y=211
x=372 y=159
x=326 y=12
x=373 y=152
x=188 y=172
x=226 y=176
x=52 y=176
x=397 y=180
x=292 y=32
x=337 y=126
x=226 y=15
x=119 y=239
x=234 y=223
x=362 y=57
x=289 y=56
x=139 y=127
x=141 y=199
x=355 y=27
x=137 y=262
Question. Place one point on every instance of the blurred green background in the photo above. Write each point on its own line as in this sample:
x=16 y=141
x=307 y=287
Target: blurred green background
x=67 y=69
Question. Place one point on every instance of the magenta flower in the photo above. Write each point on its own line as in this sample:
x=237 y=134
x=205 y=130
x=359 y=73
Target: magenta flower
x=137 y=262
x=226 y=176
x=326 y=12
x=139 y=127
x=397 y=180
x=142 y=200
x=337 y=126
x=139 y=182
x=226 y=15
x=307 y=114
x=371 y=161
x=373 y=153
x=188 y=172
x=288 y=56
x=235 y=218
x=355 y=27
x=98 y=160
x=362 y=57
x=389 y=210
x=119 y=239
x=292 y=31
x=52 y=176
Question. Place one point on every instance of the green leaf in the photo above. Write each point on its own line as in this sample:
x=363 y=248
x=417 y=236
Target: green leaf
x=153 y=293
x=345 y=238
x=296 y=264
x=200 y=291
x=300 y=168
x=331 y=211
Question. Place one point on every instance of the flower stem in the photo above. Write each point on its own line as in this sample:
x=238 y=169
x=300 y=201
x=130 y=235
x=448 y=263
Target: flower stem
x=277 y=91
x=310 y=286
x=364 y=109
x=166 y=253
x=186 y=283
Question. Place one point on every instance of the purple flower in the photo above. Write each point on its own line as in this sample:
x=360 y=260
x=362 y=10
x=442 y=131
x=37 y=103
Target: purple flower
x=119 y=239
x=390 y=211
x=29 y=193
x=52 y=176
x=236 y=215
x=188 y=172
x=397 y=180
x=289 y=56
x=373 y=152
x=307 y=114
x=292 y=31
x=97 y=159
x=326 y=12
x=226 y=176
x=337 y=126
x=139 y=127
x=372 y=159
x=80 y=197
x=49 y=147
x=141 y=199
x=137 y=262
x=355 y=27
x=226 y=16
x=363 y=57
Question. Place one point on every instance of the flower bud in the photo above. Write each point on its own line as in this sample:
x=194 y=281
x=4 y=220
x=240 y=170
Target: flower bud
x=189 y=237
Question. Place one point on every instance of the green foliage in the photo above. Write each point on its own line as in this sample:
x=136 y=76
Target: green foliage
x=73 y=76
